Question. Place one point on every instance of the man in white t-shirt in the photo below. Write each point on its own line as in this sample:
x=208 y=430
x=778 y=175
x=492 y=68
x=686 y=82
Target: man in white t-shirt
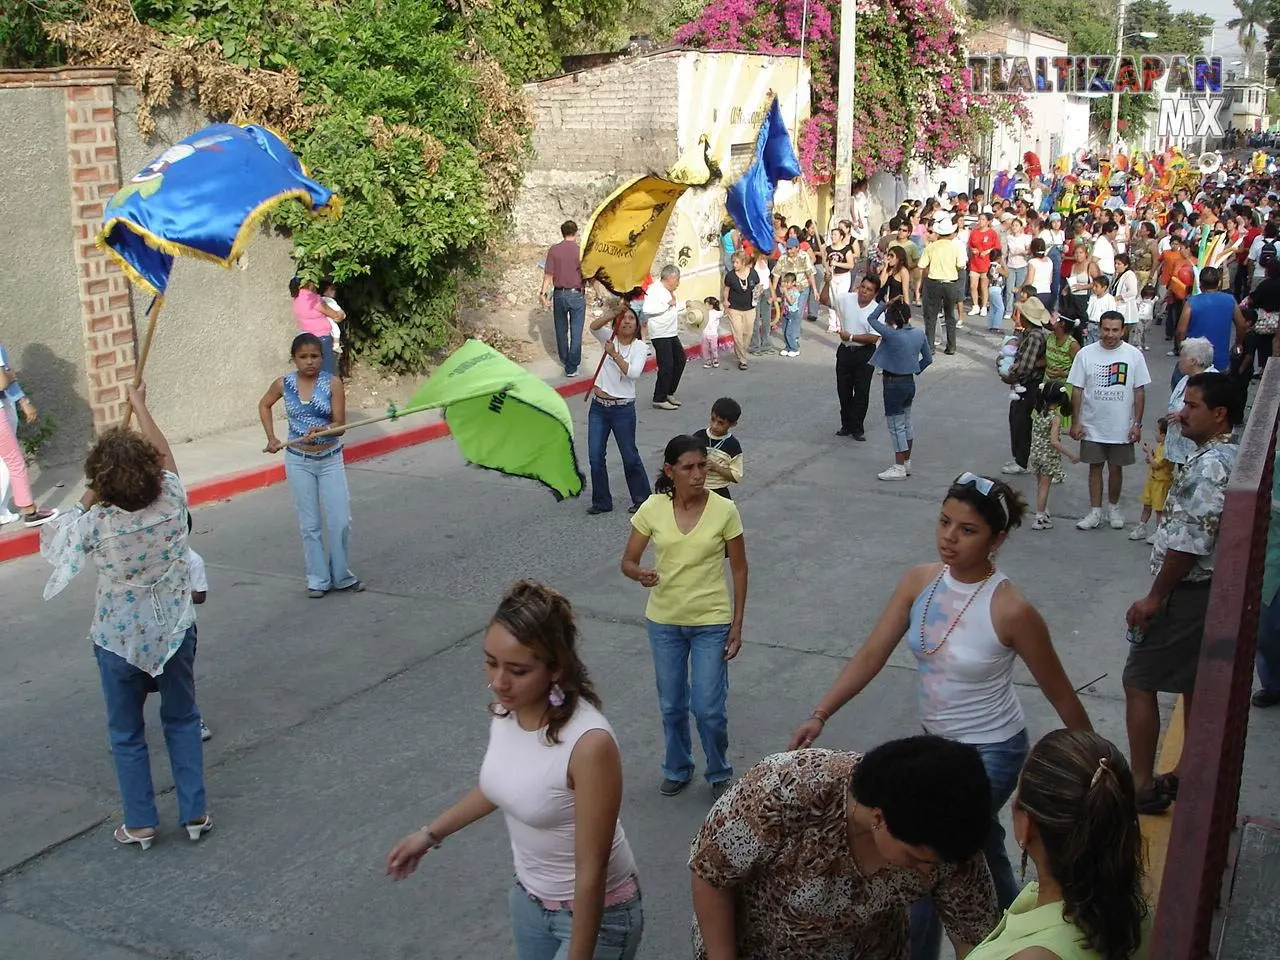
x=1110 y=379
x=854 y=372
x=662 y=315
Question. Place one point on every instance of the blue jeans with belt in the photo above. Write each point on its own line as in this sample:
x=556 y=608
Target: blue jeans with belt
x=319 y=483
x=543 y=934
x=899 y=392
x=125 y=689
x=1003 y=762
x=620 y=420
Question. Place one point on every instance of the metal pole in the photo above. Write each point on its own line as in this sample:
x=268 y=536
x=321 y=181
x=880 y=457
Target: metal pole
x=1204 y=139
x=1114 y=135
x=842 y=199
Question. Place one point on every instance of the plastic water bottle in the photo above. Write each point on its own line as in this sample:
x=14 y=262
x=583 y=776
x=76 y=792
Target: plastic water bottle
x=1135 y=635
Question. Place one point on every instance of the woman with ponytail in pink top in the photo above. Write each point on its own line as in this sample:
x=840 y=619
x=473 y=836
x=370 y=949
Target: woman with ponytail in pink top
x=313 y=316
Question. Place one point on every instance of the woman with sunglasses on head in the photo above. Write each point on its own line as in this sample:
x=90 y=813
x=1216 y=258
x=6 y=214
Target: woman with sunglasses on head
x=966 y=624
x=1076 y=816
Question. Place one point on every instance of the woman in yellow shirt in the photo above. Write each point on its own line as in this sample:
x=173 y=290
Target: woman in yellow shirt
x=694 y=629
x=1076 y=816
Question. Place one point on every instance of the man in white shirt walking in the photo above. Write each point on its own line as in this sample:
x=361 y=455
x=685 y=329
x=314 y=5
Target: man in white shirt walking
x=663 y=318
x=1110 y=379
x=853 y=357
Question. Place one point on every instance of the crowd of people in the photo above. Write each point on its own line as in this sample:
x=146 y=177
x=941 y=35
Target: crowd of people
x=812 y=852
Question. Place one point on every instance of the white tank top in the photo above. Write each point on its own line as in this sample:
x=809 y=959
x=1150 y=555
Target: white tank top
x=527 y=779
x=966 y=685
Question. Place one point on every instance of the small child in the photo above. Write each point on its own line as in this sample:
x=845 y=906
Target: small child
x=790 y=296
x=995 y=291
x=199 y=592
x=1156 y=490
x=1007 y=354
x=1052 y=406
x=1100 y=301
x=724 y=452
x=1146 y=314
x=711 y=333
x=328 y=295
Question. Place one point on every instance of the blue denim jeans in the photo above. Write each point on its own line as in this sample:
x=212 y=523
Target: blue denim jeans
x=899 y=392
x=995 y=306
x=1055 y=282
x=692 y=676
x=760 y=339
x=543 y=934
x=1017 y=280
x=320 y=483
x=328 y=359
x=621 y=422
x=1003 y=762
x=791 y=327
x=569 y=311
x=1268 y=657
x=125 y=689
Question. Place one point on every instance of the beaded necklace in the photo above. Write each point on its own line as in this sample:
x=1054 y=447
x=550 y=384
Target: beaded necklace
x=924 y=645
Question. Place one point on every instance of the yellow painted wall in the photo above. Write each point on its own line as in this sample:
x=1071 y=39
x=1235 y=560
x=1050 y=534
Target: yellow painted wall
x=726 y=96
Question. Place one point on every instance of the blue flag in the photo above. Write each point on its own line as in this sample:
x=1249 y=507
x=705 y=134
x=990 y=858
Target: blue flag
x=750 y=200
x=203 y=197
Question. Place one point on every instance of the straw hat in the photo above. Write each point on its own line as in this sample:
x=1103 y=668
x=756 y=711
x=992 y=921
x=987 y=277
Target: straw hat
x=1034 y=312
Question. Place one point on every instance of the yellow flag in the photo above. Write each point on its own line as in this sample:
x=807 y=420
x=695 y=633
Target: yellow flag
x=623 y=236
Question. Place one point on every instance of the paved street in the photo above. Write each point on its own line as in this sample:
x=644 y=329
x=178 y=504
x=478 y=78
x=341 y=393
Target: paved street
x=344 y=723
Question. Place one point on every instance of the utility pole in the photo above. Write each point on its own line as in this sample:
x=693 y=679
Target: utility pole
x=842 y=198
x=1114 y=136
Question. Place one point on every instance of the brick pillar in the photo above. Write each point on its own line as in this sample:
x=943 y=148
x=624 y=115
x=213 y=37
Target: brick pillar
x=106 y=309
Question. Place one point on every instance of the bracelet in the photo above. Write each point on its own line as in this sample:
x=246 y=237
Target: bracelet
x=820 y=715
x=432 y=838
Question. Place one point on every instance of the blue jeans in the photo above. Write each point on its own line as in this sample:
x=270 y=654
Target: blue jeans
x=621 y=422
x=1017 y=280
x=321 y=483
x=543 y=934
x=569 y=310
x=995 y=311
x=1055 y=281
x=1268 y=658
x=760 y=339
x=899 y=392
x=125 y=689
x=1004 y=764
x=692 y=675
x=791 y=327
x=328 y=359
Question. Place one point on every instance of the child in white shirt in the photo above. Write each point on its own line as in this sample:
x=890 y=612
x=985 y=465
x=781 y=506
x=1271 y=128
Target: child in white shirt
x=335 y=330
x=711 y=333
x=1100 y=302
x=199 y=591
x=1146 y=315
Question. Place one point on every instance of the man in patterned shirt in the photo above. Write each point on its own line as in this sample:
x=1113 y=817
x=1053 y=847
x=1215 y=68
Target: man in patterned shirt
x=1167 y=624
x=816 y=854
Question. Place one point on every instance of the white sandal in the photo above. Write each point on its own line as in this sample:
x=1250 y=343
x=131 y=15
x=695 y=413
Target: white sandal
x=123 y=836
x=198 y=828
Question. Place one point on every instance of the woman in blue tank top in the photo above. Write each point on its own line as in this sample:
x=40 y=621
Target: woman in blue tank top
x=314 y=401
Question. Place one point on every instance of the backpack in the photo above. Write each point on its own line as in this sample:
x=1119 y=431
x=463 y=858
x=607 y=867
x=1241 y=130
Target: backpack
x=1268 y=254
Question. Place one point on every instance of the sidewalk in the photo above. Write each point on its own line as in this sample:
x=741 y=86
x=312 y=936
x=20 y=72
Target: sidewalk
x=232 y=463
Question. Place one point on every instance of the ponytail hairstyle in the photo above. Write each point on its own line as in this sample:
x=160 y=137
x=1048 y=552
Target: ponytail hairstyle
x=542 y=620
x=677 y=447
x=898 y=314
x=1054 y=398
x=1077 y=790
x=295 y=285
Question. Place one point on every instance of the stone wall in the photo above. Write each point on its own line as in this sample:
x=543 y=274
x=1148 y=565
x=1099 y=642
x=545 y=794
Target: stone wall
x=69 y=317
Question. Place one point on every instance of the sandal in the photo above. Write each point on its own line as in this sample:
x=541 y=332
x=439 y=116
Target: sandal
x=123 y=836
x=1167 y=783
x=742 y=365
x=1153 y=801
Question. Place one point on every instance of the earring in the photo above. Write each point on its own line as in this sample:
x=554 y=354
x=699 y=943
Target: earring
x=556 y=696
x=1022 y=875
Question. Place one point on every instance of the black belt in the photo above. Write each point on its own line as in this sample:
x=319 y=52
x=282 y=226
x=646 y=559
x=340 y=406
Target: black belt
x=568 y=289
x=897 y=376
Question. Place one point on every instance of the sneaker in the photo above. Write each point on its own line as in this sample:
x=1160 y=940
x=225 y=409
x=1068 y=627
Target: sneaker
x=973 y=312
x=896 y=472
x=672 y=398
x=669 y=788
x=1151 y=801
x=959 y=324
x=708 y=365
x=315 y=594
x=665 y=405
x=1042 y=522
x=1265 y=698
x=937 y=341
x=1115 y=518
x=570 y=374
x=1014 y=469
x=1151 y=538
x=716 y=364
x=205 y=732
x=1139 y=532
x=907 y=466
x=982 y=312
x=719 y=789
x=38 y=517
x=1172 y=353
x=1091 y=520
x=356 y=587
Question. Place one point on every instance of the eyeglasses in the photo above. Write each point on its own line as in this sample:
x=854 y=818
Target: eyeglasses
x=986 y=488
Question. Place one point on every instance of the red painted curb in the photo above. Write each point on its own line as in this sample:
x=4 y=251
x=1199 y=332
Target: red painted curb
x=27 y=542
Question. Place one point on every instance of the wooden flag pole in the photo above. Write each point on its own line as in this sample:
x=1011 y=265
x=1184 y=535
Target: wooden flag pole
x=391 y=414
x=153 y=314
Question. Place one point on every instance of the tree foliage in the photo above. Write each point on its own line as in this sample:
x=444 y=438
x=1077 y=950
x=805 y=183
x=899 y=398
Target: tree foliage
x=913 y=97
x=392 y=103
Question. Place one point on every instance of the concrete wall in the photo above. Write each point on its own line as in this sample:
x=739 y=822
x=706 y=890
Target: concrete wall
x=40 y=320
x=223 y=334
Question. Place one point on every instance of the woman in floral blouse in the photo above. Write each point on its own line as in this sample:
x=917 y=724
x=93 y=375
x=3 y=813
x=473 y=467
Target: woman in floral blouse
x=131 y=524
x=815 y=854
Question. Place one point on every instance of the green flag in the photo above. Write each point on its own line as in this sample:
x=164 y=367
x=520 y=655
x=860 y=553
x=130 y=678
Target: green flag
x=503 y=417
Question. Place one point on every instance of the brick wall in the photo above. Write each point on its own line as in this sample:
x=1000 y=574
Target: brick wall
x=106 y=311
